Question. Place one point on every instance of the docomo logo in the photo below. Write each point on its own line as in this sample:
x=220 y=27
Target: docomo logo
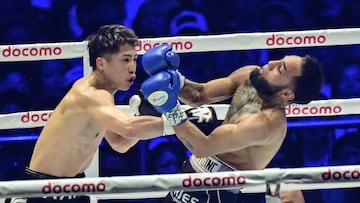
x=35 y=117
x=73 y=188
x=214 y=181
x=295 y=109
x=31 y=51
x=281 y=39
x=338 y=175
x=145 y=46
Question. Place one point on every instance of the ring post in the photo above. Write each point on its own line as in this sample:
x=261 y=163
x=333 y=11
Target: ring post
x=273 y=180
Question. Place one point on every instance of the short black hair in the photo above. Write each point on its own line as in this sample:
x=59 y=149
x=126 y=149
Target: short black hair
x=108 y=40
x=308 y=85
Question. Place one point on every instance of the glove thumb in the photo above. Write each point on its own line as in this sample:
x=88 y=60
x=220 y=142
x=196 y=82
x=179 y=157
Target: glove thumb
x=134 y=103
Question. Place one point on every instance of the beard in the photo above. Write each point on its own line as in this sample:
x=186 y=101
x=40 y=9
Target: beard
x=261 y=85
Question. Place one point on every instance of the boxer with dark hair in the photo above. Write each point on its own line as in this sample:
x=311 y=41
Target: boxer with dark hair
x=87 y=114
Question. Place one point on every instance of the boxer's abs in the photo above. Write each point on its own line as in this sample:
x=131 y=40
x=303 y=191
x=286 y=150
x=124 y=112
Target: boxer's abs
x=66 y=149
x=65 y=161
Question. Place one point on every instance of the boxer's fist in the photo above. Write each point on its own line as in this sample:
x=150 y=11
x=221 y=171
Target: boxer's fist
x=160 y=58
x=162 y=90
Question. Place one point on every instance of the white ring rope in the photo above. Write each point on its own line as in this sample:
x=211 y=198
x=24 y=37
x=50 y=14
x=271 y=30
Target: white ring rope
x=159 y=185
x=334 y=107
x=185 y=44
x=253 y=181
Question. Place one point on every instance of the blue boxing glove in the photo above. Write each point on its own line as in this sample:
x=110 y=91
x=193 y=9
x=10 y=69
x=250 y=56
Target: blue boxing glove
x=160 y=58
x=162 y=90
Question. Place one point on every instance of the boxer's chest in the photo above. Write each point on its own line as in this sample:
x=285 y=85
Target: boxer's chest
x=245 y=101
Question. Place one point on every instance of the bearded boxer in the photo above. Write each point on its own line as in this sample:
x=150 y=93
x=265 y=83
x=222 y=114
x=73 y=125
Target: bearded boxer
x=255 y=124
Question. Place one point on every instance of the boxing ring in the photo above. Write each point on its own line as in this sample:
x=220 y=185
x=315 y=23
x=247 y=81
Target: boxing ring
x=269 y=180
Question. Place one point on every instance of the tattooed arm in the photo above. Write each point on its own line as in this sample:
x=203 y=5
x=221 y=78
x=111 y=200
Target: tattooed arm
x=197 y=94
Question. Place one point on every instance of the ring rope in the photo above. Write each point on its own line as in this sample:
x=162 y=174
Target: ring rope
x=334 y=107
x=252 y=181
x=185 y=44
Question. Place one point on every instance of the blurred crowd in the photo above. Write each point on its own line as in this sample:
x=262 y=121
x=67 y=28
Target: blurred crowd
x=40 y=85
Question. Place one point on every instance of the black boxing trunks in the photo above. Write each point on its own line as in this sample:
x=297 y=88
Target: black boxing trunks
x=33 y=175
x=200 y=165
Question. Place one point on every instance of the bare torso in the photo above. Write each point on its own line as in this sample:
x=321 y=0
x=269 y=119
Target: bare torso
x=245 y=102
x=70 y=138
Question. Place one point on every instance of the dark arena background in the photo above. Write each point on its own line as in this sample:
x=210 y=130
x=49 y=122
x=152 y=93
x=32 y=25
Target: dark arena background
x=213 y=39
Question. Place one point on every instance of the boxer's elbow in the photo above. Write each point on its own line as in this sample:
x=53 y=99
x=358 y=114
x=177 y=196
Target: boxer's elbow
x=130 y=132
x=121 y=149
x=123 y=145
x=198 y=147
x=120 y=142
x=119 y=146
x=198 y=154
x=200 y=151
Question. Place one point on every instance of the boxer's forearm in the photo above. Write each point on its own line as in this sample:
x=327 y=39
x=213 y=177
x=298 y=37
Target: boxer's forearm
x=196 y=141
x=118 y=142
x=190 y=93
x=142 y=127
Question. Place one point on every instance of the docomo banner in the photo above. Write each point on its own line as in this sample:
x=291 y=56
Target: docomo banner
x=253 y=181
x=185 y=44
x=30 y=119
x=325 y=174
x=249 y=41
x=333 y=107
x=131 y=184
x=324 y=108
x=325 y=177
x=33 y=119
x=42 y=51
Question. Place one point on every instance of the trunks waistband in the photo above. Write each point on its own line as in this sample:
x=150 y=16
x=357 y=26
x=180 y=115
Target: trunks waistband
x=209 y=164
x=39 y=175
